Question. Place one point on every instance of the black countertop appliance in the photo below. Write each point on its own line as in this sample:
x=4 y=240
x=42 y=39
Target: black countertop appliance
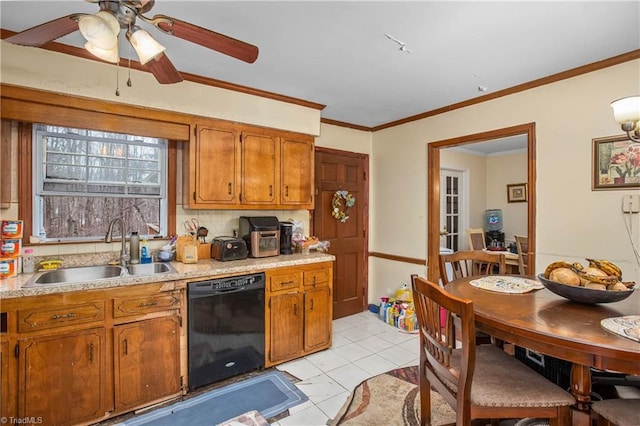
x=261 y=234
x=286 y=232
x=228 y=248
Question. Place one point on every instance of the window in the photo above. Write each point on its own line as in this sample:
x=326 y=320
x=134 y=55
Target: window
x=84 y=178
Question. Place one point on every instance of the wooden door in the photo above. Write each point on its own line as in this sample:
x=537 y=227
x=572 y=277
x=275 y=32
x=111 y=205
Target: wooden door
x=285 y=334
x=317 y=307
x=260 y=155
x=147 y=361
x=344 y=171
x=63 y=377
x=297 y=171
x=216 y=164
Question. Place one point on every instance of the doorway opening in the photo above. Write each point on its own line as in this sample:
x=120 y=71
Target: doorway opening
x=435 y=187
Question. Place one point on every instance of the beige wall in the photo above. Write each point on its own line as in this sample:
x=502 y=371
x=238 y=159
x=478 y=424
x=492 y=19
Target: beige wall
x=41 y=69
x=573 y=222
x=66 y=74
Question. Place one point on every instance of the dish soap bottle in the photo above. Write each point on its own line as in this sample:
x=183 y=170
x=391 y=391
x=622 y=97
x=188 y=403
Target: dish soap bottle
x=28 y=262
x=145 y=257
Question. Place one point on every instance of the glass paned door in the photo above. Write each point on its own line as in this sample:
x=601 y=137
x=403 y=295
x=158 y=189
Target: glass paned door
x=451 y=208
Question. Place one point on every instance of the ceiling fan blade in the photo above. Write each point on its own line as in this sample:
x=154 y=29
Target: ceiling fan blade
x=44 y=33
x=163 y=70
x=210 y=39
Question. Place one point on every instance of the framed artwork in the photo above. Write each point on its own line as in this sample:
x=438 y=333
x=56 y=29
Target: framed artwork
x=616 y=163
x=517 y=193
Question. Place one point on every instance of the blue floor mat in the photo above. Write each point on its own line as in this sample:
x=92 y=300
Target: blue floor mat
x=269 y=393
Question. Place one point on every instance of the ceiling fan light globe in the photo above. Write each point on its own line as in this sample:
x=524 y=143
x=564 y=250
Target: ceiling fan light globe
x=109 y=55
x=100 y=29
x=145 y=46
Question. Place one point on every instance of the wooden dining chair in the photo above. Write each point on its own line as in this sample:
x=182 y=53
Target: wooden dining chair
x=467 y=263
x=617 y=412
x=478 y=382
x=522 y=244
x=476 y=239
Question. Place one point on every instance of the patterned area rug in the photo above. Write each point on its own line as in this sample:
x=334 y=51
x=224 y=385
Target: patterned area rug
x=392 y=399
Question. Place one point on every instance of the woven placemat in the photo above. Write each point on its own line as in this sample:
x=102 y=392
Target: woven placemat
x=627 y=326
x=506 y=284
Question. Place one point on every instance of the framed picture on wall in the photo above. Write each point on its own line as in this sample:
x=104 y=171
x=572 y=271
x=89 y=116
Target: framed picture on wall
x=616 y=163
x=517 y=193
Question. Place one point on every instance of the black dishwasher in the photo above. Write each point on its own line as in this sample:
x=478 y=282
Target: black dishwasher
x=226 y=328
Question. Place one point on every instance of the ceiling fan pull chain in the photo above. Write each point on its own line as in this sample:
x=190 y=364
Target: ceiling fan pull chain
x=117 y=79
x=129 y=79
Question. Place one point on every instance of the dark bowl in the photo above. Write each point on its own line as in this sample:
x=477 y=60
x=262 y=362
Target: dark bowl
x=582 y=294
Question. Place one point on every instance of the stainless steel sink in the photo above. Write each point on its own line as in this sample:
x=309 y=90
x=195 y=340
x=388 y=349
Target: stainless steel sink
x=74 y=275
x=100 y=272
x=150 y=269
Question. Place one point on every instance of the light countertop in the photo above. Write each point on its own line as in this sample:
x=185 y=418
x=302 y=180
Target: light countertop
x=206 y=268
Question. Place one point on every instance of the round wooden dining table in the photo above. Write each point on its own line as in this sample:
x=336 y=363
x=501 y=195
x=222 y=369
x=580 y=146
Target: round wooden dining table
x=552 y=325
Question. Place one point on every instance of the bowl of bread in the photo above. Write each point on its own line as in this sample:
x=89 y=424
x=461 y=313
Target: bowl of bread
x=599 y=282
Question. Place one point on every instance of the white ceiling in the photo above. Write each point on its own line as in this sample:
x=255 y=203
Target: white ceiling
x=336 y=53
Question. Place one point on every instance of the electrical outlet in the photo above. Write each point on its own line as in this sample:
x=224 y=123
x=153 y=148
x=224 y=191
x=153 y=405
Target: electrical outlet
x=631 y=203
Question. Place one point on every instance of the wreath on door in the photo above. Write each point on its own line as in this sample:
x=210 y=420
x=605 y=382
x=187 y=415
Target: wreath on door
x=340 y=205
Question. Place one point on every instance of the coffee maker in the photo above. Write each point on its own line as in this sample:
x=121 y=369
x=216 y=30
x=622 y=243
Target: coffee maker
x=286 y=232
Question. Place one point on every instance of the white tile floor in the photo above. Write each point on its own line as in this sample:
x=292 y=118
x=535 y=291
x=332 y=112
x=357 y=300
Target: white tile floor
x=363 y=347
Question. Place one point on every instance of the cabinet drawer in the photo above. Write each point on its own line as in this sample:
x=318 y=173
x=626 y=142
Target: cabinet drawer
x=288 y=281
x=316 y=276
x=43 y=318
x=145 y=304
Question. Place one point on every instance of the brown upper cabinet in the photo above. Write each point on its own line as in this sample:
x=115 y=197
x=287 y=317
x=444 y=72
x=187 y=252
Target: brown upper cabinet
x=231 y=166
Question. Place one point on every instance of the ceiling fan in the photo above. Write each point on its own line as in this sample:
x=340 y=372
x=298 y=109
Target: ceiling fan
x=101 y=31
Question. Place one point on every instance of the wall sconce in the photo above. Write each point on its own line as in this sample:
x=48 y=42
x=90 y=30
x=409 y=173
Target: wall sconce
x=626 y=111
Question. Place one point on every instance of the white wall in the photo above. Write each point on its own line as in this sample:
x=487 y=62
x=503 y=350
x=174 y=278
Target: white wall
x=573 y=222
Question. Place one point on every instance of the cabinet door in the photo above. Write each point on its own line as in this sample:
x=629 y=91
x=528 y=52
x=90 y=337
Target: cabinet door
x=297 y=172
x=285 y=334
x=317 y=318
x=5 y=402
x=216 y=164
x=260 y=157
x=146 y=361
x=63 y=377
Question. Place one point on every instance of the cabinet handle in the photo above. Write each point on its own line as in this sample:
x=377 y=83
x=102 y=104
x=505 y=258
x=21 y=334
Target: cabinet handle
x=126 y=347
x=311 y=305
x=295 y=309
x=91 y=353
x=144 y=305
x=229 y=188
x=270 y=190
x=286 y=282
x=286 y=190
x=69 y=315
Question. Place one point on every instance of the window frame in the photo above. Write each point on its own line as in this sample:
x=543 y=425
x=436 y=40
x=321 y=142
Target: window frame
x=39 y=170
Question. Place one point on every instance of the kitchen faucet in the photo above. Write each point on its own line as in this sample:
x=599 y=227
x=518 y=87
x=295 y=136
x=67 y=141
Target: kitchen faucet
x=124 y=257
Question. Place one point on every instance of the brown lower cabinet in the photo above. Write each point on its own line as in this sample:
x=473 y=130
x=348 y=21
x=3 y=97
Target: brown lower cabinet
x=62 y=377
x=299 y=311
x=79 y=357
x=146 y=361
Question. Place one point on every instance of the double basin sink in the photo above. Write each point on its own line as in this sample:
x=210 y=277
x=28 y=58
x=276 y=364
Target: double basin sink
x=100 y=272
